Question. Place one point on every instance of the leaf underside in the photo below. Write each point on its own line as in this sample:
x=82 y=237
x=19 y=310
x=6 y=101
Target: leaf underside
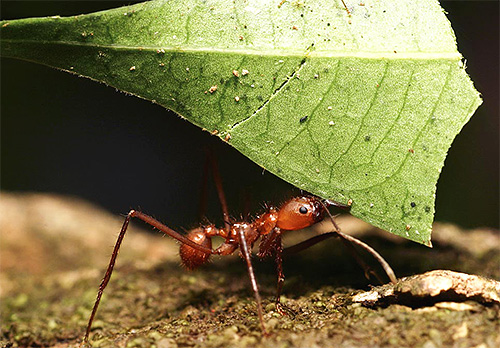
x=357 y=108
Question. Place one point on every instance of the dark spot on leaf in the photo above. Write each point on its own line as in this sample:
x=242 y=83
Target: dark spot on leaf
x=413 y=205
x=367 y=138
x=427 y=209
x=303 y=119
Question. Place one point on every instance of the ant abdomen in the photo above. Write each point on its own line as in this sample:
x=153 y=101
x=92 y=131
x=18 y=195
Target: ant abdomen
x=192 y=258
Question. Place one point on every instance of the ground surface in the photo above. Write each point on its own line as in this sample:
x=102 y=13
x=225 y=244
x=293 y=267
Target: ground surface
x=54 y=250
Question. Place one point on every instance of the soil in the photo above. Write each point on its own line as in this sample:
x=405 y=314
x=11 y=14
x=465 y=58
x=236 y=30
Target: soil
x=54 y=251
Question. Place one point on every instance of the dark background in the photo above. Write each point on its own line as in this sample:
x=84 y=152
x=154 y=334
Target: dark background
x=73 y=136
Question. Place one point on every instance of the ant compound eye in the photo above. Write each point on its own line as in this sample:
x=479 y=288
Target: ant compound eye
x=303 y=210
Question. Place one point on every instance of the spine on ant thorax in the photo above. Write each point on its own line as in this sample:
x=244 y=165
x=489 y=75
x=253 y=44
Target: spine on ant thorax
x=266 y=222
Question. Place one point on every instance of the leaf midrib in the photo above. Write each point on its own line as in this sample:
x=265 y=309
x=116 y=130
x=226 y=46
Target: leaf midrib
x=257 y=52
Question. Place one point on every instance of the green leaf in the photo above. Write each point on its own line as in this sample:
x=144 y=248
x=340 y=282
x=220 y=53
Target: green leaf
x=357 y=108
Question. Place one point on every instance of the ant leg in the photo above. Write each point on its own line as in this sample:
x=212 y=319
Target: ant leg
x=348 y=241
x=220 y=190
x=346 y=238
x=385 y=265
x=272 y=244
x=107 y=276
x=151 y=221
x=319 y=238
x=204 y=191
x=168 y=231
x=309 y=243
x=211 y=165
x=279 y=269
x=278 y=249
x=251 y=274
x=348 y=12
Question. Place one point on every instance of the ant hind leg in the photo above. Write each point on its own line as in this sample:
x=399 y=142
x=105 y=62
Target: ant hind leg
x=154 y=223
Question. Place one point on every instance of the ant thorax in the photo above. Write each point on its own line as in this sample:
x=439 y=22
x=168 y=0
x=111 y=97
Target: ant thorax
x=266 y=222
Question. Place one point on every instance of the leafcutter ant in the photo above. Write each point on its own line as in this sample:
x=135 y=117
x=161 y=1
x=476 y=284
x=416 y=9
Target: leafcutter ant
x=196 y=247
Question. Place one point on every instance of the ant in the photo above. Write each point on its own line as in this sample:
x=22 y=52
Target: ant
x=196 y=247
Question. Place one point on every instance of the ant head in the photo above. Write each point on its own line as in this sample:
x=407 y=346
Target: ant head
x=300 y=212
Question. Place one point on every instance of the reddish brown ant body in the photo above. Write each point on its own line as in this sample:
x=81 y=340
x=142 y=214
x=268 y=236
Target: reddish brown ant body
x=295 y=214
x=196 y=247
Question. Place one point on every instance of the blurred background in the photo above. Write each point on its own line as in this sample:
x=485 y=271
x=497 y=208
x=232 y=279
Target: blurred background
x=76 y=137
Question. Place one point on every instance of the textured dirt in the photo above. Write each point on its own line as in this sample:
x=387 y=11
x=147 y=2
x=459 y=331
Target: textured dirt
x=54 y=250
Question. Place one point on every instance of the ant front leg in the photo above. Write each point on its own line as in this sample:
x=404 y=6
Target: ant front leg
x=278 y=253
x=156 y=224
x=272 y=245
x=348 y=241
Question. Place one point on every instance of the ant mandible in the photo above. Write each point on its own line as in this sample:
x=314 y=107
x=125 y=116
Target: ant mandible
x=196 y=247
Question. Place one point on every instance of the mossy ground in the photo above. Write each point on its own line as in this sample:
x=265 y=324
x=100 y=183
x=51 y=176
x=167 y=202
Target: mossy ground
x=51 y=269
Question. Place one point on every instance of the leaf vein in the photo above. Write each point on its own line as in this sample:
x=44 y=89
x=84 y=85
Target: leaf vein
x=355 y=138
x=397 y=171
x=398 y=117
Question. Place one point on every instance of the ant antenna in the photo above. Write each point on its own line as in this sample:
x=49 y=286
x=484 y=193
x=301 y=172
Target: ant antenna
x=346 y=238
